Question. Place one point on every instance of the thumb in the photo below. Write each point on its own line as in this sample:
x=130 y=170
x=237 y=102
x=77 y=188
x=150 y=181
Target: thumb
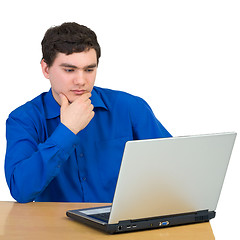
x=63 y=100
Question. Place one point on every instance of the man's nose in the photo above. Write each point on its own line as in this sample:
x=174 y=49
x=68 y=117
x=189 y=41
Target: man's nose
x=79 y=78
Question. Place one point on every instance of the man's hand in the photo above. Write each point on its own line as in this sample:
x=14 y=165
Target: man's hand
x=78 y=114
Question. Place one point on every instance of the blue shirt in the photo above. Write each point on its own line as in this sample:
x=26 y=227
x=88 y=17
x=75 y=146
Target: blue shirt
x=45 y=161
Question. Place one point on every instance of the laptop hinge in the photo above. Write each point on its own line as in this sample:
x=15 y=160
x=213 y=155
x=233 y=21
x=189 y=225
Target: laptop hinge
x=161 y=222
x=183 y=218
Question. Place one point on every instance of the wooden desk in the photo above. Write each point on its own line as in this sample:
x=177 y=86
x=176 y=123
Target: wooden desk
x=35 y=221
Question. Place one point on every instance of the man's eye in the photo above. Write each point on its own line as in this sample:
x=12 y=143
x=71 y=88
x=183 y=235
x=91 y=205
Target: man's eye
x=68 y=70
x=89 y=70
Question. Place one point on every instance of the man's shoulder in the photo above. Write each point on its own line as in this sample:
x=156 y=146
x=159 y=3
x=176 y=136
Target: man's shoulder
x=30 y=108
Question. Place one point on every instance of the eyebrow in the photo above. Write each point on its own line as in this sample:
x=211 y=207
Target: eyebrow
x=68 y=65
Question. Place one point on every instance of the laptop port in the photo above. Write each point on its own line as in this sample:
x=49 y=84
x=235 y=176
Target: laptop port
x=128 y=226
x=119 y=228
x=164 y=223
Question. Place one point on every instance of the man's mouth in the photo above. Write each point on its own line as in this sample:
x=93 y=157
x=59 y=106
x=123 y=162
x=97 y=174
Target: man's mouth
x=78 y=92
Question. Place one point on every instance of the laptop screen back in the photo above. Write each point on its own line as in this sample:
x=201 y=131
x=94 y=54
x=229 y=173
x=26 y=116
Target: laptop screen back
x=171 y=176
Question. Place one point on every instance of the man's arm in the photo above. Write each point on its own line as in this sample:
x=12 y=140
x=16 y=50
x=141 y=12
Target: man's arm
x=30 y=165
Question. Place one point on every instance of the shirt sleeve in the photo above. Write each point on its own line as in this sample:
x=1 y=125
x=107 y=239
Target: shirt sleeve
x=145 y=124
x=29 y=165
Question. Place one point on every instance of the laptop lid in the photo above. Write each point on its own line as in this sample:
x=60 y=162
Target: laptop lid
x=171 y=176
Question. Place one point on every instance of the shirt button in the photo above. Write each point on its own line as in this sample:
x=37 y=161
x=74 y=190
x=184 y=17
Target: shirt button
x=84 y=178
x=81 y=155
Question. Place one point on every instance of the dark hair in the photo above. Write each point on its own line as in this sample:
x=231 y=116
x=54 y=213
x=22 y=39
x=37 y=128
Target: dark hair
x=68 y=38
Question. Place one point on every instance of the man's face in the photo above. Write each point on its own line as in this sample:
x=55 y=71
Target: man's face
x=72 y=75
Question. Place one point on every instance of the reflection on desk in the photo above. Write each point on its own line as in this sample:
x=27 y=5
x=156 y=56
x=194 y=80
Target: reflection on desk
x=49 y=221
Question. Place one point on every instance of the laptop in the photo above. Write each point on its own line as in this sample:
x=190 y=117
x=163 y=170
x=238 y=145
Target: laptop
x=164 y=182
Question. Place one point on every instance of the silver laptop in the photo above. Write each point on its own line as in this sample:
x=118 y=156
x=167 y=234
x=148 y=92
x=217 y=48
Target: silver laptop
x=165 y=182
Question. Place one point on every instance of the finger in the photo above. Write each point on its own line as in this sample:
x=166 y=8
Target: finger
x=85 y=97
x=91 y=107
x=91 y=115
x=63 y=100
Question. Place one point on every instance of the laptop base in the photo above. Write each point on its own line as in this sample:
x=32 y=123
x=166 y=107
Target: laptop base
x=143 y=224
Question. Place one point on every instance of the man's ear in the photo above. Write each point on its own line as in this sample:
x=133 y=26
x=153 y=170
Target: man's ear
x=45 y=69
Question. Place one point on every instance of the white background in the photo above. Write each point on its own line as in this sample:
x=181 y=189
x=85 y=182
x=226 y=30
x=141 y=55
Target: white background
x=182 y=57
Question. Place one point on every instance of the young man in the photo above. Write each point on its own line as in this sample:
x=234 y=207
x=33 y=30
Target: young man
x=67 y=144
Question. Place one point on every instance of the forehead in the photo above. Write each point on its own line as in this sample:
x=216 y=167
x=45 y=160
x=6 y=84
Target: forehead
x=80 y=59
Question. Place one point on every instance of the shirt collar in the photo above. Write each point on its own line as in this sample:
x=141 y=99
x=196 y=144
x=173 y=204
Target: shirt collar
x=97 y=100
x=52 y=108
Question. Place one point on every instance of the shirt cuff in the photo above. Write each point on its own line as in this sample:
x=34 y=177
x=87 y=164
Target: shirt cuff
x=64 y=138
